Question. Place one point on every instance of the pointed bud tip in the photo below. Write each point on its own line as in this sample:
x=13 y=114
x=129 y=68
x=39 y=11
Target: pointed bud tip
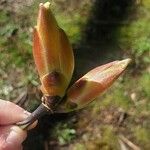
x=124 y=63
x=41 y=4
x=45 y=5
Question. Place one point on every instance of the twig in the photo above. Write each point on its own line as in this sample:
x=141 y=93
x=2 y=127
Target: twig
x=122 y=117
x=129 y=143
x=21 y=99
x=46 y=145
x=47 y=107
x=39 y=112
x=122 y=145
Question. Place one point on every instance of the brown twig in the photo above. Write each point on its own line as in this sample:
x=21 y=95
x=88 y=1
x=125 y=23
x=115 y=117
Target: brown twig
x=46 y=145
x=129 y=143
x=39 y=112
x=122 y=117
x=47 y=107
x=122 y=145
x=21 y=99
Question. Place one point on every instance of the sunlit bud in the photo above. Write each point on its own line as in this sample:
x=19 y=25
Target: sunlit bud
x=52 y=53
x=92 y=84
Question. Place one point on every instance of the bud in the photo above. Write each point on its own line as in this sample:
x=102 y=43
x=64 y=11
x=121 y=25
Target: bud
x=92 y=84
x=52 y=53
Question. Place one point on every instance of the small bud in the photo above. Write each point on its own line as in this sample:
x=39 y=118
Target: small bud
x=92 y=84
x=52 y=53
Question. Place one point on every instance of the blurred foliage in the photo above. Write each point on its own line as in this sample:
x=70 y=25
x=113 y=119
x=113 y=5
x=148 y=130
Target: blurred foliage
x=142 y=136
x=72 y=17
x=79 y=146
x=144 y=83
x=17 y=68
x=63 y=133
x=135 y=34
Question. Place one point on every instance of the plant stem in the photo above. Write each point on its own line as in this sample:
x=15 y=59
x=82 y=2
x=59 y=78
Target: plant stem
x=39 y=112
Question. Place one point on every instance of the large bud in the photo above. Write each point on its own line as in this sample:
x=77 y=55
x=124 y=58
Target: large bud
x=92 y=84
x=52 y=53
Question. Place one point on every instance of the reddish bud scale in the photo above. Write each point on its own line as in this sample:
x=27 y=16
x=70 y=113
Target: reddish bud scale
x=92 y=84
x=52 y=53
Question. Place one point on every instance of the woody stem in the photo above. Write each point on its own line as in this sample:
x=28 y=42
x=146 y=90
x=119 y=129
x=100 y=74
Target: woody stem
x=39 y=112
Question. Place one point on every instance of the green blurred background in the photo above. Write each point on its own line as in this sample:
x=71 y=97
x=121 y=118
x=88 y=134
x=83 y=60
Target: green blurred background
x=100 y=31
